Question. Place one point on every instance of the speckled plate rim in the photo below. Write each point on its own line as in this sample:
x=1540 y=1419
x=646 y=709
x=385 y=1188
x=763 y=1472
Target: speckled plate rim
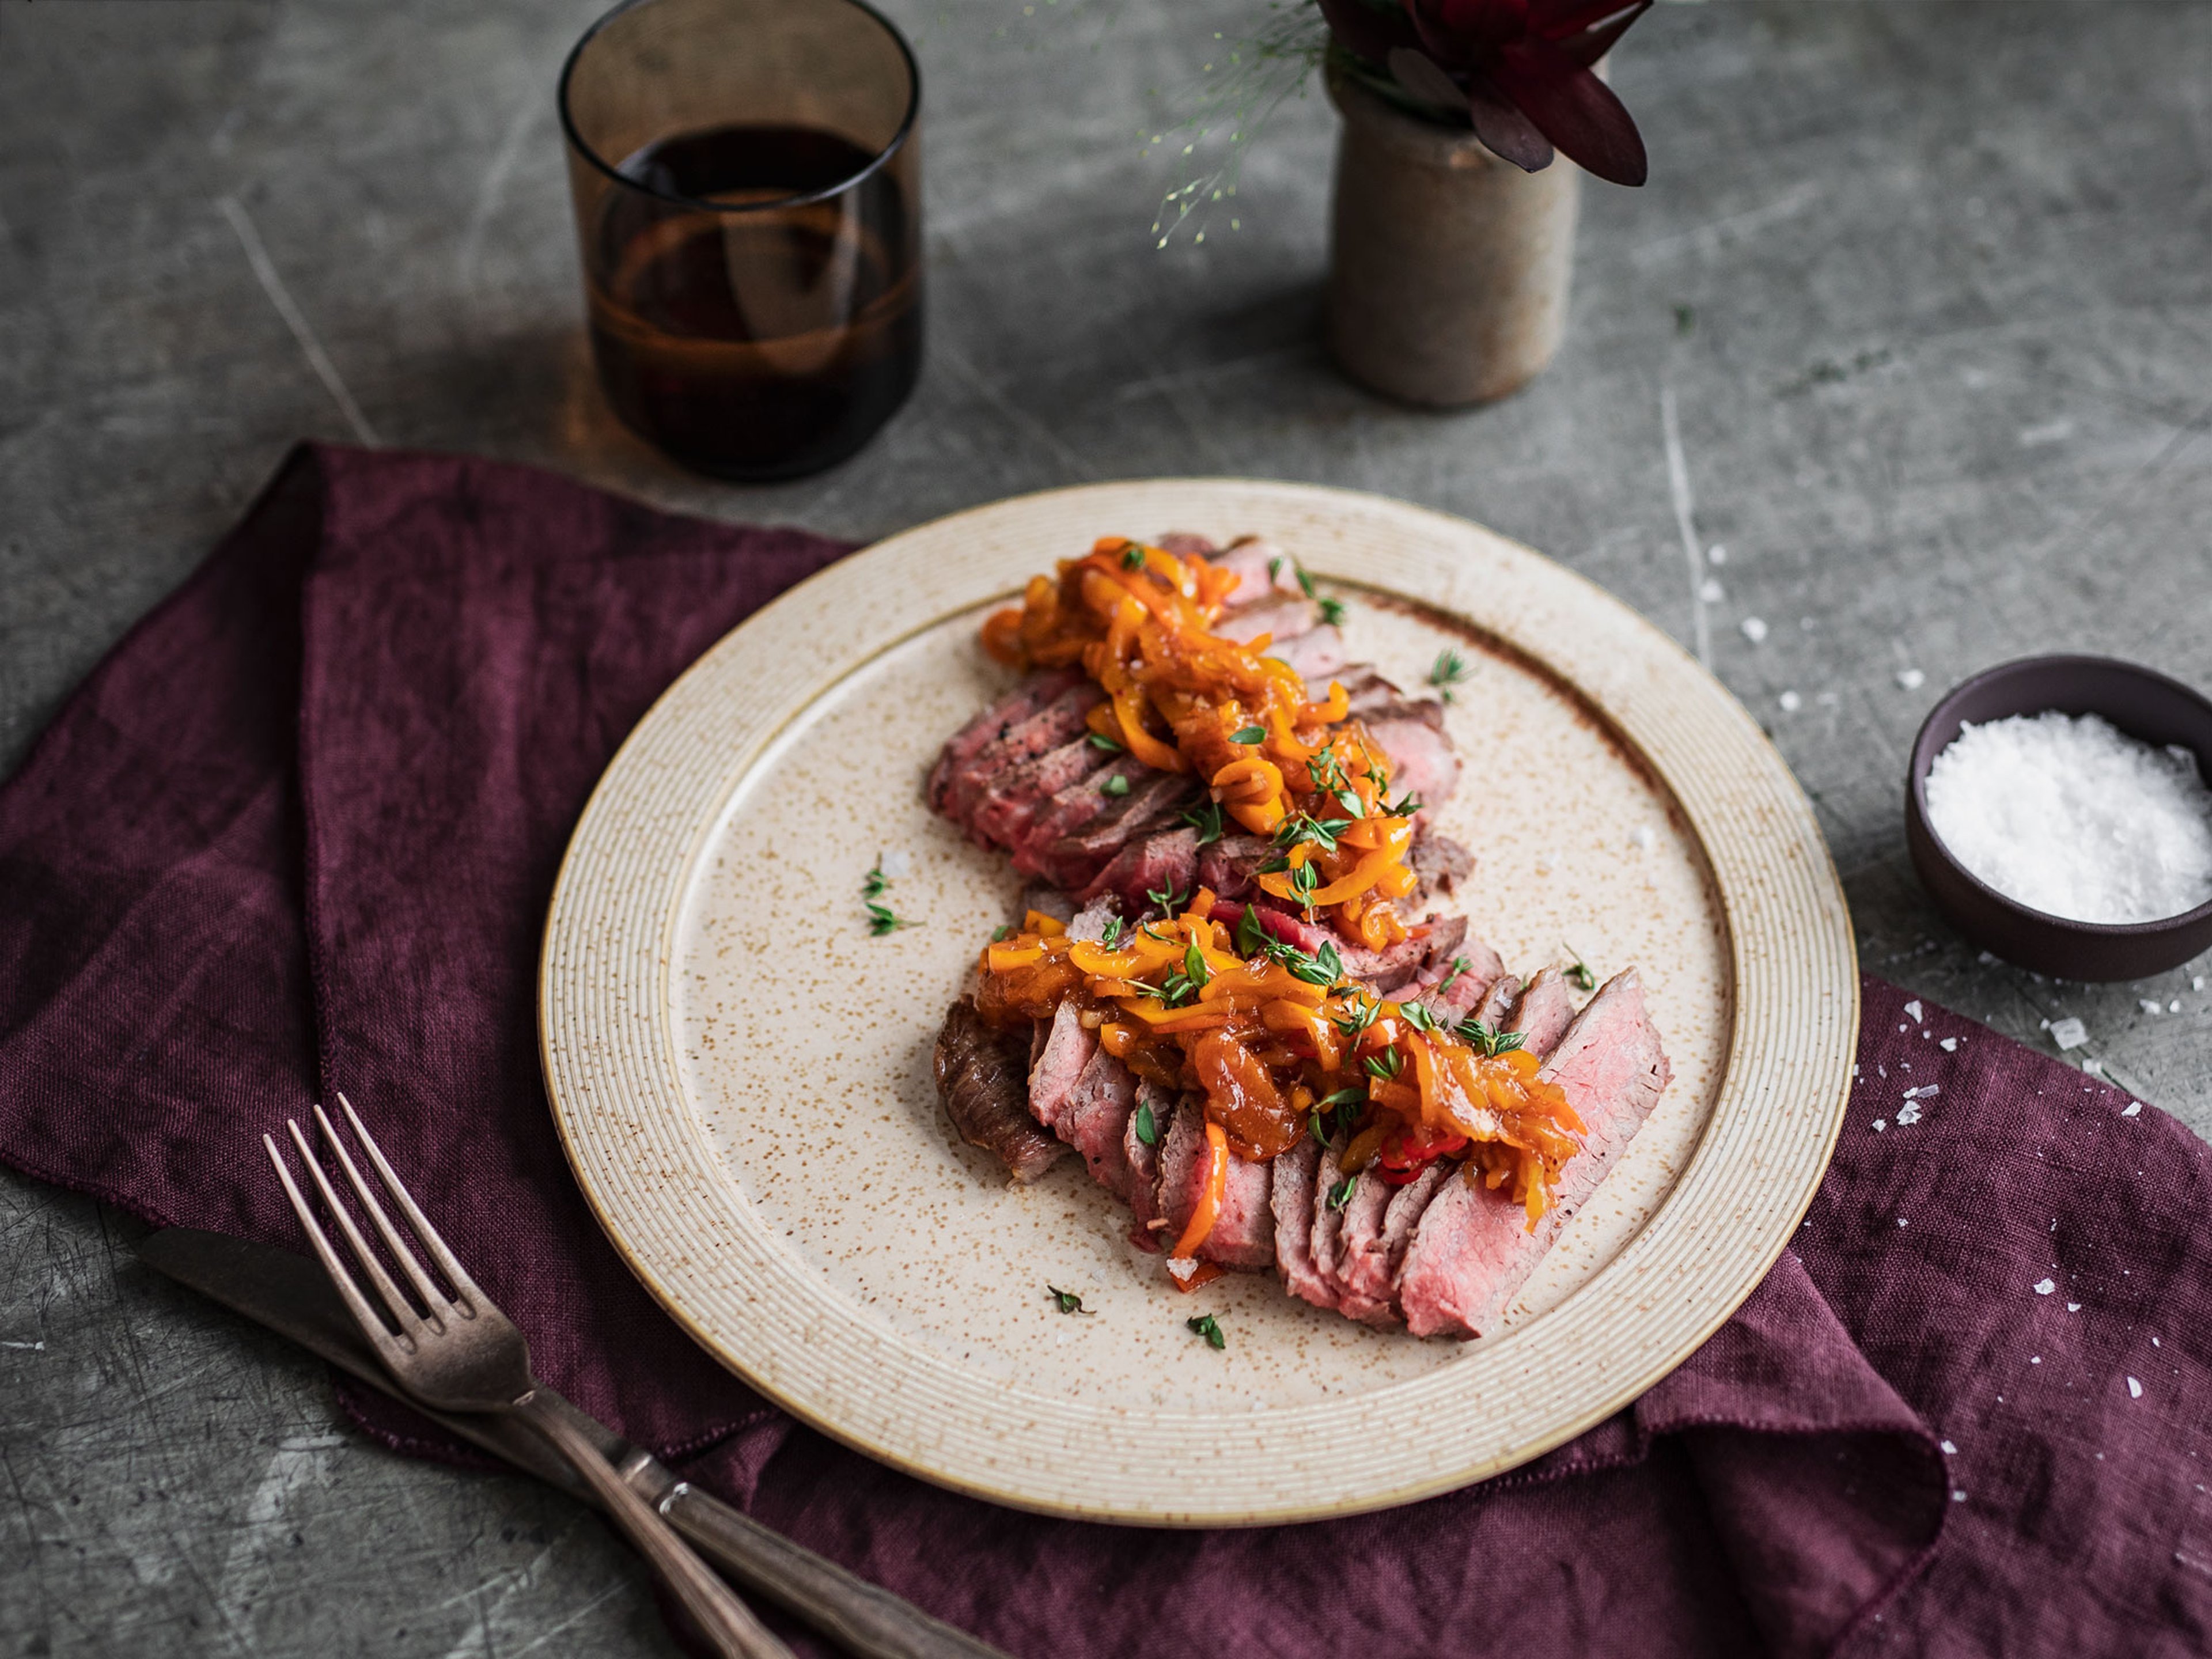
x=660 y=1190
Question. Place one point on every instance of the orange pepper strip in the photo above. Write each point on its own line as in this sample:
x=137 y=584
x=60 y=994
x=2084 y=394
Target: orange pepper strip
x=1209 y=1203
x=1162 y=757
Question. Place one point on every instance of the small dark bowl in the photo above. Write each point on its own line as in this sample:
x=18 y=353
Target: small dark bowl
x=2145 y=705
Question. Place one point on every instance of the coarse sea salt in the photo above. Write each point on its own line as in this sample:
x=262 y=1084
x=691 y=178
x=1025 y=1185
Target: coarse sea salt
x=2068 y=815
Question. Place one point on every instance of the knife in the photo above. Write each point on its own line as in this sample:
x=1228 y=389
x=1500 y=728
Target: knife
x=292 y=1296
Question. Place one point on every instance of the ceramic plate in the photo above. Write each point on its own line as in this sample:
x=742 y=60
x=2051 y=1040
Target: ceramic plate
x=742 y=1073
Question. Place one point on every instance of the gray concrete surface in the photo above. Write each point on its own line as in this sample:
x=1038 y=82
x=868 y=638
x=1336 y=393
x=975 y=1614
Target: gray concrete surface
x=1927 y=288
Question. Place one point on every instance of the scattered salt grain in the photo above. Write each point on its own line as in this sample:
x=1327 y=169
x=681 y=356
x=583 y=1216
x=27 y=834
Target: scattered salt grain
x=2134 y=1389
x=2133 y=1107
x=2044 y=1287
x=1949 y=1451
x=2197 y=983
x=2154 y=1342
x=1716 y=554
x=2073 y=1307
x=1790 y=702
x=1911 y=679
x=1644 y=838
x=1710 y=591
x=1908 y=1115
x=1755 y=628
x=1957 y=1496
x=2150 y=1005
x=2068 y=1033
x=2095 y=1068
x=2068 y=815
x=2174 y=1006
x=1879 y=1124
x=896 y=864
x=2035 y=1359
x=1900 y=1221
x=1949 y=1045
x=1912 y=1012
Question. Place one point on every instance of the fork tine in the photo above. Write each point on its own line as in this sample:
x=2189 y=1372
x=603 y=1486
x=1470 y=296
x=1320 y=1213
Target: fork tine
x=364 y=1315
x=433 y=1298
x=410 y=1322
x=470 y=1298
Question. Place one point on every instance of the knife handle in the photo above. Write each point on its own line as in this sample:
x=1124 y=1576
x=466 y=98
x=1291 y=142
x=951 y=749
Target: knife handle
x=857 y=1616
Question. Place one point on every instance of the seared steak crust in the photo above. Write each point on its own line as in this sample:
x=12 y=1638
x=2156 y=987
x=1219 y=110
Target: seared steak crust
x=979 y=1077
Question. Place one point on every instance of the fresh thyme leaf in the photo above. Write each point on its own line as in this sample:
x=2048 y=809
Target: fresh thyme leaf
x=1405 y=808
x=1341 y=1097
x=1111 y=745
x=1206 y=819
x=1140 y=988
x=1332 y=612
x=1208 y=1326
x=1251 y=939
x=1248 y=734
x=1005 y=930
x=1579 y=976
x=1274 y=567
x=1319 y=1134
x=1326 y=772
x=1304 y=878
x=1167 y=898
x=1148 y=1127
x=1350 y=801
x=1459 y=965
x=1417 y=1015
x=1305 y=582
x=1360 y=1016
x=882 y=922
x=1274 y=865
x=1340 y=1194
x=1324 y=968
x=872 y=884
x=1506 y=1041
x=1194 y=965
x=1069 y=1302
x=1133 y=557
x=1112 y=936
x=1385 y=1065
x=1117 y=785
x=1448 y=669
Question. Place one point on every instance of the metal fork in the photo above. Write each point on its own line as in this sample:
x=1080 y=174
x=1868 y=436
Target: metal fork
x=462 y=1354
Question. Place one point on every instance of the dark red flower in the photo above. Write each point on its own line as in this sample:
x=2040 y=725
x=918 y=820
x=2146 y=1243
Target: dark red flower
x=1522 y=69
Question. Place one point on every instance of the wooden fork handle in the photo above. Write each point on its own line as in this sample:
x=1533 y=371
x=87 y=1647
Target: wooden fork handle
x=726 y=1622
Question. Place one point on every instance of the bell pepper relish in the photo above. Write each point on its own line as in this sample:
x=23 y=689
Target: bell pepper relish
x=1182 y=698
x=1281 y=1045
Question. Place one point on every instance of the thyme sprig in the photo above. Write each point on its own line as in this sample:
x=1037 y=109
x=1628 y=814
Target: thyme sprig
x=1068 y=1302
x=1448 y=669
x=1206 y=819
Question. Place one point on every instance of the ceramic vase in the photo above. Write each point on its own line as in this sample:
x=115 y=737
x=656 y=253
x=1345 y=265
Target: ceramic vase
x=1449 y=267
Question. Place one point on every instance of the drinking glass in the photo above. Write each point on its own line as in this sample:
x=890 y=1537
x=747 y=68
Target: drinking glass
x=746 y=176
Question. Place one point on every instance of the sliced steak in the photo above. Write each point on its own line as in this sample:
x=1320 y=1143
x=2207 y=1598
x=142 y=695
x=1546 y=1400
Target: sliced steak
x=1281 y=616
x=1184 y=543
x=1058 y=1066
x=1544 y=1011
x=1090 y=922
x=1011 y=801
x=994 y=722
x=1440 y=862
x=1182 y=1166
x=1244 y=1235
x=1450 y=991
x=1407 y=1207
x=1094 y=1120
x=1315 y=654
x=1498 y=1002
x=1473 y=1247
x=1163 y=863
x=1293 y=930
x=1250 y=559
x=979 y=1078
x=1072 y=810
x=1423 y=762
x=1226 y=867
x=1394 y=967
x=1291 y=1199
x=1047 y=900
x=1327 y=1224
x=1362 y=1266
x=1059 y=721
x=1144 y=1159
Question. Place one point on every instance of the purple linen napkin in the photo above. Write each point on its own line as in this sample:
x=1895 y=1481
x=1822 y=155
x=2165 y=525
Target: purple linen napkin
x=297 y=835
